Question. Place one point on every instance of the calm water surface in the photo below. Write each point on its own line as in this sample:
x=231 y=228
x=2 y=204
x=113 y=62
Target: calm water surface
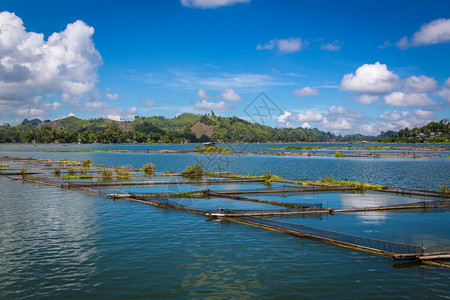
x=58 y=243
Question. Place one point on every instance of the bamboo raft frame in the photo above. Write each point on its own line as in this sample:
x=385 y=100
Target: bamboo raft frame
x=242 y=218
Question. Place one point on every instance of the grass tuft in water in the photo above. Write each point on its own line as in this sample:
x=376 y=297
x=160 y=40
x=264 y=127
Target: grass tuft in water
x=194 y=171
x=124 y=172
x=148 y=168
x=86 y=163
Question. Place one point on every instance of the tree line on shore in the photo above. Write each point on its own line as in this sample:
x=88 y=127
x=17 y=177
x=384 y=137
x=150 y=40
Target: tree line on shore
x=180 y=130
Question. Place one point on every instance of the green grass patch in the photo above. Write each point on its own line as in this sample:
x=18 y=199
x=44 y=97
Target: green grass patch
x=211 y=150
x=81 y=177
x=443 y=188
x=194 y=171
x=86 y=163
x=72 y=171
x=148 y=168
x=330 y=181
x=298 y=148
x=124 y=172
x=67 y=162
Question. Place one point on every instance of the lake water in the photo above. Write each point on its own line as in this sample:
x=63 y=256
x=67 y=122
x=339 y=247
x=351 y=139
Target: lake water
x=58 y=243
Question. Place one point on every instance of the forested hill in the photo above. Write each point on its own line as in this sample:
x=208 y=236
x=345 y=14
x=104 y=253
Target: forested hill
x=183 y=128
x=433 y=132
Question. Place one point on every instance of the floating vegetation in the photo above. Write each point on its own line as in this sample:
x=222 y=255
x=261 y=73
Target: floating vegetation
x=443 y=188
x=124 y=172
x=106 y=173
x=298 y=148
x=338 y=154
x=72 y=171
x=269 y=177
x=167 y=172
x=83 y=171
x=23 y=173
x=374 y=147
x=329 y=180
x=86 y=163
x=148 y=168
x=81 y=177
x=4 y=166
x=194 y=171
x=211 y=149
x=67 y=162
x=57 y=172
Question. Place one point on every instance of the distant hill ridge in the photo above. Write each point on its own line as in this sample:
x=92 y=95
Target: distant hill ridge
x=186 y=127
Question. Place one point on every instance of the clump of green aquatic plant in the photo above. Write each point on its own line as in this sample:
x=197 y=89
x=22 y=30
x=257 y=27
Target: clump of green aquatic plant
x=269 y=177
x=83 y=171
x=57 y=171
x=211 y=149
x=23 y=173
x=4 y=166
x=148 y=168
x=123 y=173
x=194 y=171
x=167 y=172
x=72 y=171
x=329 y=180
x=81 y=177
x=106 y=174
x=67 y=162
x=338 y=154
x=298 y=148
x=86 y=163
x=443 y=188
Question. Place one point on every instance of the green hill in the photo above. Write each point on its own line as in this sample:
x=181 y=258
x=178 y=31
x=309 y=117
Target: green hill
x=433 y=132
x=183 y=128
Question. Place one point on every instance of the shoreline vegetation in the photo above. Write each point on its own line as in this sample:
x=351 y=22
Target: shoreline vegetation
x=192 y=128
x=338 y=152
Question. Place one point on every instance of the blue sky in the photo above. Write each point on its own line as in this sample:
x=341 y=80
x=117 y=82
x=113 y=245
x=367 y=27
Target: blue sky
x=340 y=66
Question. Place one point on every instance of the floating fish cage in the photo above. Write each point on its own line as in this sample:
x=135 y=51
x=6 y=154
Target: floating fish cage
x=249 y=201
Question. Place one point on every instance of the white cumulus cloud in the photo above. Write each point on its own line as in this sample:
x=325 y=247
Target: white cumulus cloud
x=396 y=120
x=435 y=32
x=334 y=46
x=149 y=102
x=30 y=66
x=290 y=45
x=424 y=114
x=337 y=124
x=202 y=95
x=284 y=117
x=306 y=91
x=366 y=99
x=400 y=99
x=370 y=79
x=307 y=116
x=230 y=95
x=205 y=4
x=306 y=125
x=420 y=84
x=445 y=92
x=206 y=105
x=114 y=96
